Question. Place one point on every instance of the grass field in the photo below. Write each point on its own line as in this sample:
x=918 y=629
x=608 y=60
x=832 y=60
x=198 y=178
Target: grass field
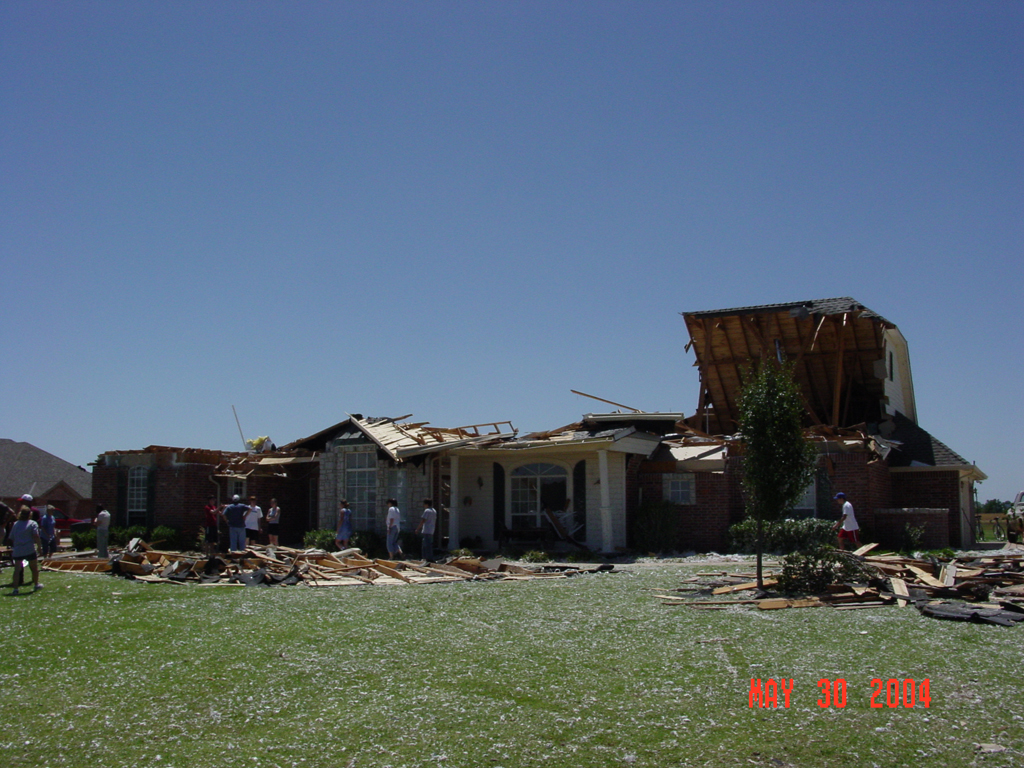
x=589 y=671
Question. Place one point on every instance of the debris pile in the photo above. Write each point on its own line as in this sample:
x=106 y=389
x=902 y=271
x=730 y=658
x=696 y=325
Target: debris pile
x=987 y=589
x=272 y=566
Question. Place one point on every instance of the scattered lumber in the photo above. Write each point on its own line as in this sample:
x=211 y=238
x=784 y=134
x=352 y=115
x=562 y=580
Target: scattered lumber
x=988 y=589
x=261 y=566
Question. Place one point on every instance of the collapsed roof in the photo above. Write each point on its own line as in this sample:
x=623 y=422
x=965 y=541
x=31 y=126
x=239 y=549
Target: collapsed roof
x=837 y=348
x=401 y=440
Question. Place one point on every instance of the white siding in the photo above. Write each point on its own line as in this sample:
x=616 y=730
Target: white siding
x=477 y=519
x=899 y=389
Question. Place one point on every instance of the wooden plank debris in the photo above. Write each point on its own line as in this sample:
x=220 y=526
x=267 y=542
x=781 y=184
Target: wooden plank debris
x=264 y=566
x=990 y=589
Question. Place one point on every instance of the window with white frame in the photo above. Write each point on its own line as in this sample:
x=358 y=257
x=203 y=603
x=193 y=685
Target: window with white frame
x=679 y=488
x=361 y=488
x=535 y=488
x=138 y=496
x=807 y=506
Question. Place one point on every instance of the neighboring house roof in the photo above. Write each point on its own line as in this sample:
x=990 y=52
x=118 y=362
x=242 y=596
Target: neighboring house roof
x=834 y=346
x=24 y=468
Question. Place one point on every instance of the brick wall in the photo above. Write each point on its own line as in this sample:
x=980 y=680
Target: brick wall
x=180 y=491
x=703 y=526
x=890 y=527
x=932 y=490
x=867 y=485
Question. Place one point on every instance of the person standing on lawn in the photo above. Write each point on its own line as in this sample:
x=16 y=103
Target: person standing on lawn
x=25 y=543
x=425 y=529
x=344 y=534
x=847 y=524
x=102 y=525
x=252 y=522
x=10 y=516
x=394 y=527
x=235 y=513
x=48 y=531
x=211 y=524
x=273 y=522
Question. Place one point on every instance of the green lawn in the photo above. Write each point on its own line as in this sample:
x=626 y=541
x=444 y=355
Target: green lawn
x=589 y=671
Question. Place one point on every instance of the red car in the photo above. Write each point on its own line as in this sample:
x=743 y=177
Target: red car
x=67 y=524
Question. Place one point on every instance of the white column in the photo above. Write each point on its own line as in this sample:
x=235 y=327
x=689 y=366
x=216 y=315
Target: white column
x=606 y=502
x=453 y=507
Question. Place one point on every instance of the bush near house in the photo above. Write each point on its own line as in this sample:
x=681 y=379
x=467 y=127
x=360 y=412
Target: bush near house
x=811 y=572
x=654 y=528
x=83 y=540
x=322 y=538
x=782 y=536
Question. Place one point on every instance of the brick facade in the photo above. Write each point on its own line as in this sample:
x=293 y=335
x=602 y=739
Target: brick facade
x=178 y=492
x=890 y=527
x=868 y=482
x=931 y=490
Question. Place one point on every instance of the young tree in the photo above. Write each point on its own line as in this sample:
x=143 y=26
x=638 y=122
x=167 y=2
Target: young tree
x=778 y=463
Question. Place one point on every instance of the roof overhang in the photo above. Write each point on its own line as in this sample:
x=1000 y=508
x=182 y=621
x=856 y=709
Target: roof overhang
x=966 y=471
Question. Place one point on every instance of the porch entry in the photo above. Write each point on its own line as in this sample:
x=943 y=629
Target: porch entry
x=534 y=489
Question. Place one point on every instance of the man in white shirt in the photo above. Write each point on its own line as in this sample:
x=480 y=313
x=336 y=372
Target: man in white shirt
x=252 y=522
x=102 y=524
x=394 y=527
x=847 y=525
x=426 y=528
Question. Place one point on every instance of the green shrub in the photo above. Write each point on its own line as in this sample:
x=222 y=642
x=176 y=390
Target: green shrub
x=813 y=571
x=466 y=552
x=84 y=540
x=119 y=537
x=372 y=543
x=322 y=538
x=165 y=537
x=912 y=538
x=782 y=536
x=654 y=527
x=536 y=556
x=581 y=556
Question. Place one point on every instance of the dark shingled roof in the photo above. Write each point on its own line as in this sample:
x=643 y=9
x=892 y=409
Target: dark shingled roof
x=23 y=466
x=920 y=446
x=836 y=306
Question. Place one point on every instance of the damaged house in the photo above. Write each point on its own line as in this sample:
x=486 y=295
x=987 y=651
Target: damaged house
x=168 y=486
x=367 y=461
x=853 y=369
x=580 y=484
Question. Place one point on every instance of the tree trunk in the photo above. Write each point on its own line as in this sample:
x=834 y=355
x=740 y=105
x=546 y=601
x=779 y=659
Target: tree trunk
x=760 y=548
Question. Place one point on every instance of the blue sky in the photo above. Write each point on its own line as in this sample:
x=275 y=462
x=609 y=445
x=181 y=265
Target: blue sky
x=464 y=210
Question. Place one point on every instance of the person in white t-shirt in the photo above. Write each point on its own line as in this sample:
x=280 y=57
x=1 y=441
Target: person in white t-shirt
x=394 y=526
x=847 y=524
x=252 y=522
x=425 y=529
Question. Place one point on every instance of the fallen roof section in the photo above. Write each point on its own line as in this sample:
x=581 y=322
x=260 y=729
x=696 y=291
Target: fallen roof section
x=833 y=345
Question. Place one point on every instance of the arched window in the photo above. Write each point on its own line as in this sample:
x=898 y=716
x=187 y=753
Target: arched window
x=535 y=488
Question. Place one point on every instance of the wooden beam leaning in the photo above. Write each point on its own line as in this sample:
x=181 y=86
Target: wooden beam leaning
x=838 y=386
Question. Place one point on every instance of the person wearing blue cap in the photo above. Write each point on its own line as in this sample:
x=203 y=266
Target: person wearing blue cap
x=847 y=524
